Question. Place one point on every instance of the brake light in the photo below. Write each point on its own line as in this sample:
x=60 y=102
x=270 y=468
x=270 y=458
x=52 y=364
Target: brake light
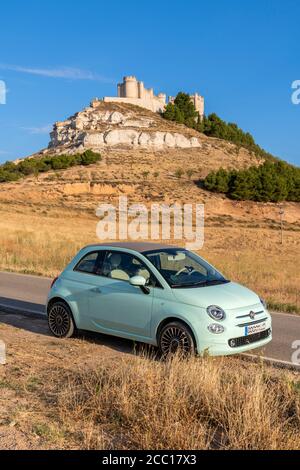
x=54 y=281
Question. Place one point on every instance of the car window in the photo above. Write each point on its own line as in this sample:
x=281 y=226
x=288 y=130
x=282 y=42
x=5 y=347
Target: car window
x=176 y=263
x=182 y=268
x=91 y=263
x=123 y=266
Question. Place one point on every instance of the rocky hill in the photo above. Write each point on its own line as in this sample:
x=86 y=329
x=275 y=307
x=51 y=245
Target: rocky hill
x=104 y=125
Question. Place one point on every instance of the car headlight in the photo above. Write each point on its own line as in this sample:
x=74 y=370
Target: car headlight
x=216 y=329
x=264 y=303
x=216 y=313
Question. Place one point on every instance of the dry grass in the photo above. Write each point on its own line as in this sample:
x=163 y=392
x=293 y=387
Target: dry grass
x=43 y=242
x=199 y=404
x=93 y=393
x=139 y=403
x=88 y=394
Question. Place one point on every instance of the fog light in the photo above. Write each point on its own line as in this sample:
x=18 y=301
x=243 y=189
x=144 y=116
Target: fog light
x=216 y=329
x=232 y=343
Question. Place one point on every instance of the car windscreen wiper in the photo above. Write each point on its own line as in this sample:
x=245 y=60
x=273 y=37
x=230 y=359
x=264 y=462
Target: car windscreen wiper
x=201 y=283
x=217 y=281
x=192 y=284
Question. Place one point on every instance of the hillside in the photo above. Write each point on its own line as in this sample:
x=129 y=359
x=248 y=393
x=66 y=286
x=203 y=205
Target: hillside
x=143 y=154
x=168 y=166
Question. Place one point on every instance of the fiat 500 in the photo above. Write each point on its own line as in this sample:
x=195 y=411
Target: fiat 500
x=157 y=294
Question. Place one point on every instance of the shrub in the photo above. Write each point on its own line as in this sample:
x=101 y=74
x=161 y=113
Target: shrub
x=189 y=173
x=274 y=182
x=183 y=111
x=179 y=173
x=10 y=171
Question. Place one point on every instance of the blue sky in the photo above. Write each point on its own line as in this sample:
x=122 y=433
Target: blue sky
x=243 y=56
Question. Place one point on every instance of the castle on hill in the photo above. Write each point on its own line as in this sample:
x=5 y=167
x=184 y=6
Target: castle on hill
x=134 y=92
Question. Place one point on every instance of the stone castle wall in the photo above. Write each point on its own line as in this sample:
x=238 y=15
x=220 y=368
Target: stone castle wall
x=134 y=92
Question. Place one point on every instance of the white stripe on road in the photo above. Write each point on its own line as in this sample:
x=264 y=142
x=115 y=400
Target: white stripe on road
x=34 y=276
x=272 y=360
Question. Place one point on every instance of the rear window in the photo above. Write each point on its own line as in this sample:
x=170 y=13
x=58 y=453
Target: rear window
x=91 y=263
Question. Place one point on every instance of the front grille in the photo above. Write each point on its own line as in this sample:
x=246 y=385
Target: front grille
x=244 y=340
x=253 y=322
x=248 y=314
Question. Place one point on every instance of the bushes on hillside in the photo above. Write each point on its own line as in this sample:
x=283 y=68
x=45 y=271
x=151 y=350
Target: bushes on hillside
x=183 y=111
x=214 y=126
x=272 y=181
x=33 y=166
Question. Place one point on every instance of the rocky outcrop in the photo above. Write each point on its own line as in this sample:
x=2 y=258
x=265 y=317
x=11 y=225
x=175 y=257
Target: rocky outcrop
x=97 y=128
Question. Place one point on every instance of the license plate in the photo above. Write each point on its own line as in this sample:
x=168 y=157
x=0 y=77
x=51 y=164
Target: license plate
x=252 y=329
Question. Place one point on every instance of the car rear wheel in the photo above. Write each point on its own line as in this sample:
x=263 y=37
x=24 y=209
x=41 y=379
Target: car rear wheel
x=60 y=320
x=176 y=338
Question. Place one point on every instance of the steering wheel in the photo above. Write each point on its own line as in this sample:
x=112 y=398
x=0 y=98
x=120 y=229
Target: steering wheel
x=189 y=270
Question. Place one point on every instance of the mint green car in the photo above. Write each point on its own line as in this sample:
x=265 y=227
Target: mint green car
x=158 y=294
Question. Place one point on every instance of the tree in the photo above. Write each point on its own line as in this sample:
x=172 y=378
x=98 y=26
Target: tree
x=186 y=106
x=182 y=111
x=275 y=182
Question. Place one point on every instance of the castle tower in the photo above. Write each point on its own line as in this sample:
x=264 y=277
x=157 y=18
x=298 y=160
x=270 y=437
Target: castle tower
x=131 y=87
x=134 y=92
x=162 y=97
x=141 y=90
x=199 y=104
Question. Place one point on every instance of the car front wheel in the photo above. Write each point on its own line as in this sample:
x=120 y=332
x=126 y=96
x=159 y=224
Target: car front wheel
x=176 y=338
x=60 y=320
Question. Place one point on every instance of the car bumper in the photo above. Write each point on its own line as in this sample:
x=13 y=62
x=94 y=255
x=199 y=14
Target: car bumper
x=222 y=344
x=223 y=348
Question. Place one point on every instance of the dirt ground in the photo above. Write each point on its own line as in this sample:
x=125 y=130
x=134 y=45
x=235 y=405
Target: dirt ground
x=100 y=392
x=32 y=354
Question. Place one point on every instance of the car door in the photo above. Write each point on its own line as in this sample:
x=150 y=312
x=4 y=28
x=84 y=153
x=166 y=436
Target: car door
x=80 y=285
x=117 y=307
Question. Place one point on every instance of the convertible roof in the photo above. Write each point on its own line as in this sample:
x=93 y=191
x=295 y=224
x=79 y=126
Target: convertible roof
x=140 y=247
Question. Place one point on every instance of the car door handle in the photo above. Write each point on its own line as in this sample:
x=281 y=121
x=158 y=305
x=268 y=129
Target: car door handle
x=97 y=290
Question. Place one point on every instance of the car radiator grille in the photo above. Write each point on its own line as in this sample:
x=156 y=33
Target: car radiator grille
x=244 y=340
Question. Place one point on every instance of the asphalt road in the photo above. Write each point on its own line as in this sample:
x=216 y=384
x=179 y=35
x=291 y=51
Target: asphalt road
x=27 y=294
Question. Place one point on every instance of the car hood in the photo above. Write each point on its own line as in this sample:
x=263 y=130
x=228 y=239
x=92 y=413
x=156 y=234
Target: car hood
x=227 y=296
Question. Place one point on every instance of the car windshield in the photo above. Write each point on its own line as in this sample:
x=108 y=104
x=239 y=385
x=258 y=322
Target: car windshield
x=182 y=268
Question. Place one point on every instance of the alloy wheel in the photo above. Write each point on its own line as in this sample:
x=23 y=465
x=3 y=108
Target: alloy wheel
x=174 y=339
x=59 y=320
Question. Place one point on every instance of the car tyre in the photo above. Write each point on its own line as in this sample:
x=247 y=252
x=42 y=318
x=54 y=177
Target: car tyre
x=176 y=338
x=60 y=320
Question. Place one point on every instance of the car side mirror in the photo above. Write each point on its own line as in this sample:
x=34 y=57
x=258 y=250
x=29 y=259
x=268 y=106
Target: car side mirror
x=137 y=281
